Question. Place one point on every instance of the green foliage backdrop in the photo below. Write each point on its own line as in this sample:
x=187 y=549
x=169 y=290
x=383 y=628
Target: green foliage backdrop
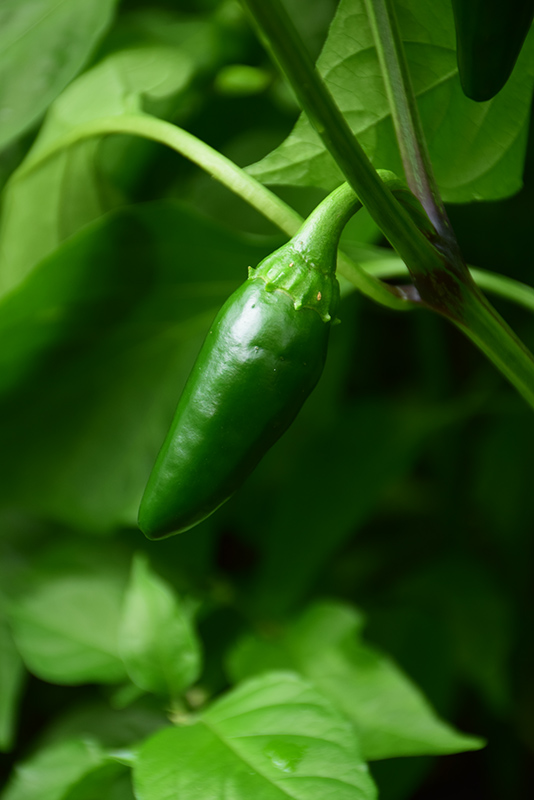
x=367 y=595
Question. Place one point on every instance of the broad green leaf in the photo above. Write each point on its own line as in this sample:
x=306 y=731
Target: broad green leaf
x=390 y=714
x=273 y=737
x=65 y=193
x=477 y=149
x=43 y=45
x=157 y=641
x=104 y=333
x=66 y=628
x=11 y=677
x=53 y=771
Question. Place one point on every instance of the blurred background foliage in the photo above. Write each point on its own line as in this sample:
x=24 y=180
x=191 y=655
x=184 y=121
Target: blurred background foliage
x=405 y=485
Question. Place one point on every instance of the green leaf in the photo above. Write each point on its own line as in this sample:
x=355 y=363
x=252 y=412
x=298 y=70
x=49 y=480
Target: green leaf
x=66 y=627
x=43 y=45
x=390 y=714
x=158 y=644
x=477 y=149
x=104 y=332
x=65 y=193
x=273 y=737
x=11 y=677
x=52 y=772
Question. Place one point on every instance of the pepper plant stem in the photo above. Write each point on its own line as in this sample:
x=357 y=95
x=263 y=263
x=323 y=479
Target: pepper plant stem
x=441 y=279
x=323 y=228
x=267 y=203
x=485 y=328
x=405 y=115
x=289 y=51
x=390 y=267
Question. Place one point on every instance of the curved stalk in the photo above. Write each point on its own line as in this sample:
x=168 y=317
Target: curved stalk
x=480 y=322
x=321 y=232
x=226 y=172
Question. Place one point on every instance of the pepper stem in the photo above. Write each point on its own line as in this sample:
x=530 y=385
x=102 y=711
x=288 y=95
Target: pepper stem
x=321 y=231
x=319 y=235
x=305 y=267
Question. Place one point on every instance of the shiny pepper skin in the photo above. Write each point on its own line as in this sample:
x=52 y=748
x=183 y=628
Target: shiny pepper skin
x=261 y=358
x=260 y=361
x=489 y=38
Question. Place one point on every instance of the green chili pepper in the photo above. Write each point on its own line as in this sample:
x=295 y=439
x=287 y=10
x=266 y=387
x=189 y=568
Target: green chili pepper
x=489 y=37
x=263 y=355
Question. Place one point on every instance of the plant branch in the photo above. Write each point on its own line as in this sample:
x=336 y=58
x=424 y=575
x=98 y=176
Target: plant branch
x=388 y=266
x=405 y=115
x=442 y=281
x=289 y=51
x=512 y=358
